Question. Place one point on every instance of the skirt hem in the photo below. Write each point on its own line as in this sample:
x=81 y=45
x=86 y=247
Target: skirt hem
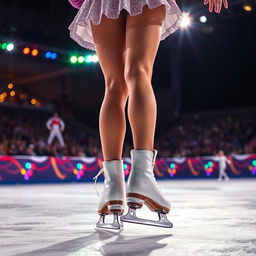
x=84 y=21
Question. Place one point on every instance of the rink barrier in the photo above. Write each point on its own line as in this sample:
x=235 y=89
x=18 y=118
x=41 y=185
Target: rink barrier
x=24 y=169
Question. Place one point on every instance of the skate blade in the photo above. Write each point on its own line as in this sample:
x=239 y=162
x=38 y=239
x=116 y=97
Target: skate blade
x=131 y=217
x=116 y=224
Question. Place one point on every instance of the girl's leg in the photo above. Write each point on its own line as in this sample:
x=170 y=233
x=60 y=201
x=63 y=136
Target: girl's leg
x=109 y=39
x=142 y=40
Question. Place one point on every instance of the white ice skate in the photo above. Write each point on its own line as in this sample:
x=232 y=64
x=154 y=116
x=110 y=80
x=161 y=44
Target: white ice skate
x=142 y=188
x=113 y=196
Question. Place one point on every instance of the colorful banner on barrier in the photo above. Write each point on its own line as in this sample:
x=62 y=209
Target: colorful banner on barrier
x=19 y=169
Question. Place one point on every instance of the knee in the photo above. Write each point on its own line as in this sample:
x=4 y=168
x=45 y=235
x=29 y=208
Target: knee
x=134 y=73
x=116 y=87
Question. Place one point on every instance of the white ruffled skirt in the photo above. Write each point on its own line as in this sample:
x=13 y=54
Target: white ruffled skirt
x=80 y=28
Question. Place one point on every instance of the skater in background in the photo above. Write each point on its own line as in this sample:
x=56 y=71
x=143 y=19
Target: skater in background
x=56 y=126
x=125 y=35
x=222 y=159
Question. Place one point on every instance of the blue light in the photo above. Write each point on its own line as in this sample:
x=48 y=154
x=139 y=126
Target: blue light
x=54 y=56
x=48 y=55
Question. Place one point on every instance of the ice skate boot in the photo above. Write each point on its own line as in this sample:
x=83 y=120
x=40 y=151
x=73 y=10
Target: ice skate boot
x=142 y=188
x=113 y=195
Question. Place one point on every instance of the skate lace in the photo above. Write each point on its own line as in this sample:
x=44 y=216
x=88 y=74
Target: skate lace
x=95 y=179
x=153 y=166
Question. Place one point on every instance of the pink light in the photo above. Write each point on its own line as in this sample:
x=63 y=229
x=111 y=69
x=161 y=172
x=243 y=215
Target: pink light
x=30 y=173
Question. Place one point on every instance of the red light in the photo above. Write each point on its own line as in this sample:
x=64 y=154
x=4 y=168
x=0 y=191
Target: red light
x=34 y=52
x=26 y=50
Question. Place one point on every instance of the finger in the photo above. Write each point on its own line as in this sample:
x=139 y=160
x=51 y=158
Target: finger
x=225 y=2
x=216 y=6
x=220 y=6
x=206 y=2
x=211 y=2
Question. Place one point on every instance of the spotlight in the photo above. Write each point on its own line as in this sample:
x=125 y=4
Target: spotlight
x=54 y=56
x=26 y=50
x=10 y=86
x=51 y=55
x=186 y=20
x=34 y=52
x=80 y=59
x=73 y=59
x=247 y=8
x=10 y=47
x=203 y=19
x=4 y=46
x=88 y=59
x=95 y=58
x=33 y=101
x=48 y=55
x=12 y=93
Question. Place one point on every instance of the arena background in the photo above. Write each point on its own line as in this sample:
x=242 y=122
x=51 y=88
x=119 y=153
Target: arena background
x=204 y=81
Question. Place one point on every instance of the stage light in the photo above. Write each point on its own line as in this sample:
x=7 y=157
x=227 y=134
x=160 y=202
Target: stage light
x=54 y=56
x=34 y=52
x=33 y=101
x=75 y=171
x=254 y=162
x=48 y=55
x=95 y=58
x=26 y=50
x=51 y=55
x=10 y=47
x=4 y=46
x=125 y=166
x=10 y=86
x=73 y=59
x=203 y=19
x=247 y=8
x=186 y=20
x=80 y=59
x=4 y=94
x=12 y=93
x=88 y=59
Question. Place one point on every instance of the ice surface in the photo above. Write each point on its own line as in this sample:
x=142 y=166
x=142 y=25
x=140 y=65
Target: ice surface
x=210 y=218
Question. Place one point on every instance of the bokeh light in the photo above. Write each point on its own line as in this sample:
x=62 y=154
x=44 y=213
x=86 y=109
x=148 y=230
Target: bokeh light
x=186 y=20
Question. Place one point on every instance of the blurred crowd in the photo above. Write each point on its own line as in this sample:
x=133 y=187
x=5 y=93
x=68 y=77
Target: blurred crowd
x=202 y=136
x=25 y=133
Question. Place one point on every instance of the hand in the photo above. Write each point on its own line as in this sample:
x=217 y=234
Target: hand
x=217 y=4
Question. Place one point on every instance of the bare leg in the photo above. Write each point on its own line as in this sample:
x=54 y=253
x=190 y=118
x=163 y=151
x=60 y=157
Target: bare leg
x=142 y=40
x=109 y=39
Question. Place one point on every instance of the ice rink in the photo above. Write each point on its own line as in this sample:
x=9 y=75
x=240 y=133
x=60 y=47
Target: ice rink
x=210 y=218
